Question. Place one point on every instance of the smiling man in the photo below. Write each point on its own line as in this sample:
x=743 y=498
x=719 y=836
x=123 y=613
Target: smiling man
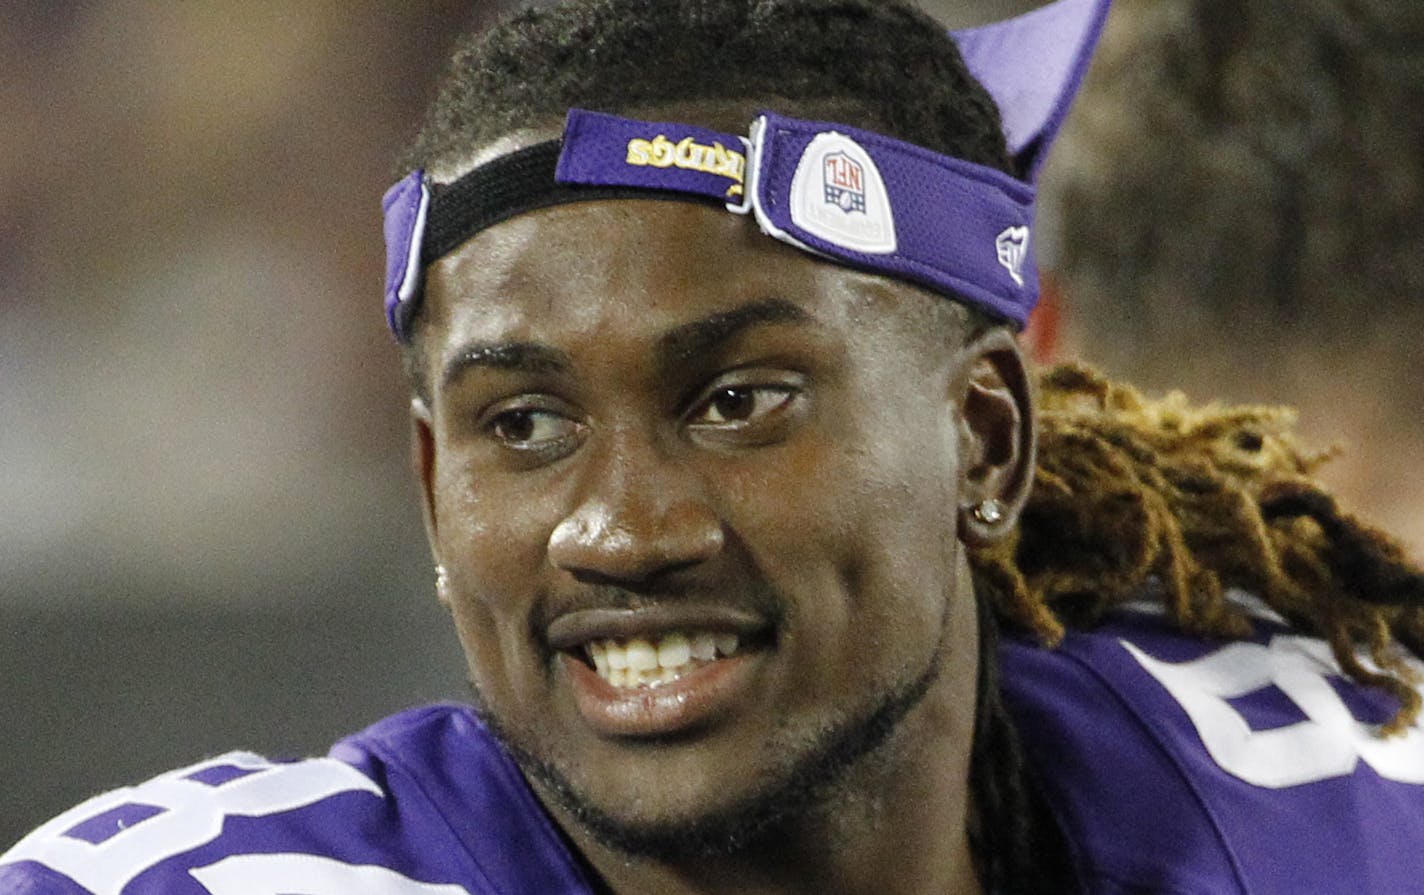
x=727 y=455
x=686 y=485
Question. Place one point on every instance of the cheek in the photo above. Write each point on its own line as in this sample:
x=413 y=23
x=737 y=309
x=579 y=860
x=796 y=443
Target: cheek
x=898 y=524
x=854 y=516
x=492 y=540
x=492 y=525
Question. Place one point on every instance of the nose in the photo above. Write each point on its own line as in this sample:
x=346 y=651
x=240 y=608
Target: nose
x=641 y=515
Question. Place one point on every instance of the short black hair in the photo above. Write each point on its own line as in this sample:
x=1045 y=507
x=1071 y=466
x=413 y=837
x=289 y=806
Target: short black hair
x=881 y=65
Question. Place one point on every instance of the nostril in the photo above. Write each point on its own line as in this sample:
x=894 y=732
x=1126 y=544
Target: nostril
x=654 y=580
x=629 y=549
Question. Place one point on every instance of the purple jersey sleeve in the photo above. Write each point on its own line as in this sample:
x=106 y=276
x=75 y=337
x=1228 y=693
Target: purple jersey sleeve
x=31 y=878
x=1182 y=765
x=472 y=792
x=424 y=803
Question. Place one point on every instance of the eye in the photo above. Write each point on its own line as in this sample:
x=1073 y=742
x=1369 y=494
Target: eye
x=741 y=405
x=531 y=428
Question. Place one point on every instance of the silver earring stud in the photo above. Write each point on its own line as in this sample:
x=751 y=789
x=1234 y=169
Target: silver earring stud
x=442 y=581
x=989 y=512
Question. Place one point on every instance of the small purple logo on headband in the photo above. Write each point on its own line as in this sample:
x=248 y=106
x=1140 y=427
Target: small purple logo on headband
x=1013 y=251
x=845 y=183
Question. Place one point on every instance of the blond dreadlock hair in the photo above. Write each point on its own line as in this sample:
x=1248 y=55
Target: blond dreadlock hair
x=1135 y=495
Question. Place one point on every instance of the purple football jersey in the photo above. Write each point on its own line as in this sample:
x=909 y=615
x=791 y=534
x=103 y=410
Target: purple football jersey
x=1181 y=765
x=1174 y=765
x=423 y=803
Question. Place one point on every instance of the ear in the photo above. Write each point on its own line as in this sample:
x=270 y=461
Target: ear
x=422 y=458
x=997 y=445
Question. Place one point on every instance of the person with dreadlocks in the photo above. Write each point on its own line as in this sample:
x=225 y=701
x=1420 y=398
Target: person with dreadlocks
x=727 y=454
x=1282 y=144
x=1280 y=140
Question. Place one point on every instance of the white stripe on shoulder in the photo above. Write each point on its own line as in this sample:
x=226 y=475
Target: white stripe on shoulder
x=104 y=843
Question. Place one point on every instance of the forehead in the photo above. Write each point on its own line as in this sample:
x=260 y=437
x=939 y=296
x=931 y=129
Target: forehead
x=627 y=270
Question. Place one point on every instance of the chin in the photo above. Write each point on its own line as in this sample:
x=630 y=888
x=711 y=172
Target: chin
x=676 y=836
x=697 y=825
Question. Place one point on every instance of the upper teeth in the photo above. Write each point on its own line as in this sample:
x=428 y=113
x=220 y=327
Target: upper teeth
x=640 y=662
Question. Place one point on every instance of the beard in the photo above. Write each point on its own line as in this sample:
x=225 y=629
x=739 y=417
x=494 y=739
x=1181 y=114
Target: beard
x=789 y=791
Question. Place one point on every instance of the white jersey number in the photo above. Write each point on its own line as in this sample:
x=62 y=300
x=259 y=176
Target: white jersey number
x=1328 y=743
x=189 y=814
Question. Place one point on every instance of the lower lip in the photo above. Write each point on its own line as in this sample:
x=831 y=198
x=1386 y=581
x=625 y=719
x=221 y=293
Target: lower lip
x=695 y=699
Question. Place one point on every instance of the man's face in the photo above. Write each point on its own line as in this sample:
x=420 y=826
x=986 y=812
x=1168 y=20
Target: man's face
x=659 y=438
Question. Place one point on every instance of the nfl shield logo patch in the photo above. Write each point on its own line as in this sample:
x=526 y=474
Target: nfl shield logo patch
x=839 y=195
x=845 y=183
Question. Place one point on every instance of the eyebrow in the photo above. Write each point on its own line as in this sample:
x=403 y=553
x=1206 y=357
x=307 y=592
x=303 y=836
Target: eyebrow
x=515 y=357
x=701 y=337
x=674 y=348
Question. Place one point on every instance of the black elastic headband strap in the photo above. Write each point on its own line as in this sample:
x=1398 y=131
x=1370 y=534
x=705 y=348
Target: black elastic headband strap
x=508 y=187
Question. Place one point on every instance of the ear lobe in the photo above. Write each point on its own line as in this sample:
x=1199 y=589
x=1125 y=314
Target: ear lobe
x=997 y=445
x=422 y=458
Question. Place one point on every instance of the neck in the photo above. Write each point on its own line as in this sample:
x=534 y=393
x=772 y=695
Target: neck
x=897 y=822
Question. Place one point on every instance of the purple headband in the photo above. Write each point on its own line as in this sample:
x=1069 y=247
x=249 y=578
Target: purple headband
x=852 y=196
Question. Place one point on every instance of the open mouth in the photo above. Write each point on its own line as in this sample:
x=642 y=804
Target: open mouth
x=657 y=670
x=645 y=662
